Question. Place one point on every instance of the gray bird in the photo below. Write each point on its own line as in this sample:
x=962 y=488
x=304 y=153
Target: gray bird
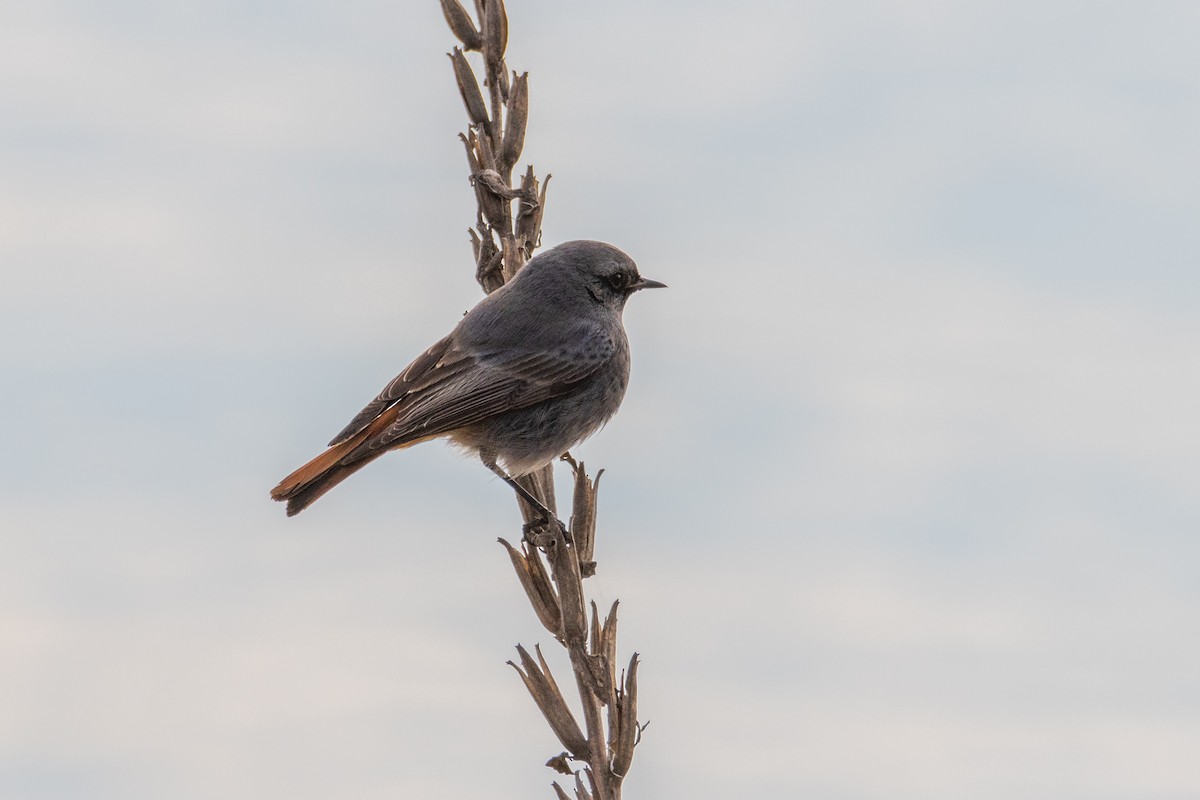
x=535 y=368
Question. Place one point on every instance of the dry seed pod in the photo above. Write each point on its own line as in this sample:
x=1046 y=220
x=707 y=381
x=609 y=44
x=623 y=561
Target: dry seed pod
x=468 y=87
x=529 y=217
x=484 y=151
x=514 y=125
x=469 y=144
x=549 y=700
x=570 y=590
x=461 y=24
x=503 y=76
x=537 y=588
x=627 y=735
x=594 y=630
x=581 y=791
x=608 y=636
x=583 y=515
x=540 y=209
x=495 y=35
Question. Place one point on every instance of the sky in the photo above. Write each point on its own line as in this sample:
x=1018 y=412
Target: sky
x=903 y=500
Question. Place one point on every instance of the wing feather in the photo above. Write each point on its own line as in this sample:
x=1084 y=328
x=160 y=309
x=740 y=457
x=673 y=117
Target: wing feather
x=456 y=389
x=419 y=370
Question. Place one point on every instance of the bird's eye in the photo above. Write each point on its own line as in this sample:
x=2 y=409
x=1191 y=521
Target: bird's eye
x=618 y=280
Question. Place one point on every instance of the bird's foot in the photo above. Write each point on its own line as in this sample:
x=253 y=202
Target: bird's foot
x=540 y=532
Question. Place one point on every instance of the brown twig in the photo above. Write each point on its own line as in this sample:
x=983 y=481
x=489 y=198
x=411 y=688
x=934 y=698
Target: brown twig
x=552 y=568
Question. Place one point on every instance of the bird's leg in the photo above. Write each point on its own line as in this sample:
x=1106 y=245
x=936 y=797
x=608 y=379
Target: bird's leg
x=526 y=495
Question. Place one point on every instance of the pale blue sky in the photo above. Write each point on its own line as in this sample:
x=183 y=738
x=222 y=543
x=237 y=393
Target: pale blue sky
x=903 y=502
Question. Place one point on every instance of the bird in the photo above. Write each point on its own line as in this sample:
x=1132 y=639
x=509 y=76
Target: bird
x=536 y=367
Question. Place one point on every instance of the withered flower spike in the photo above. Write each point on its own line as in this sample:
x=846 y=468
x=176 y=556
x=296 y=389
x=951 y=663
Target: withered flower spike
x=461 y=24
x=628 y=734
x=468 y=87
x=551 y=571
x=537 y=589
x=495 y=34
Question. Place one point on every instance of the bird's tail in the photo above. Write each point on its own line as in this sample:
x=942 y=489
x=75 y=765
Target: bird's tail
x=302 y=488
x=309 y=482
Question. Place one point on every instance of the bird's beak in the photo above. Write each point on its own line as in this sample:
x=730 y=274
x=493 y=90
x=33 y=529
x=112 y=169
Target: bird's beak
x=646 y=283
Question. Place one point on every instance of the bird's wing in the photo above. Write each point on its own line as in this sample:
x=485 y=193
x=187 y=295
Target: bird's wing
x=432 y=363
x=448 y=388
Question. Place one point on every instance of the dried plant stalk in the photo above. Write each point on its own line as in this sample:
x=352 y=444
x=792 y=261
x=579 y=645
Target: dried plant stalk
x=551 y=567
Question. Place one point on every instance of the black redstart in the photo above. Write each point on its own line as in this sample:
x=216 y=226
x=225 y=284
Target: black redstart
x=533 y=370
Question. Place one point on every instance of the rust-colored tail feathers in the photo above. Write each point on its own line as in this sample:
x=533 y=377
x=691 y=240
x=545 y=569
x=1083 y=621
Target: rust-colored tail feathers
x=305 y=485
x=302 y=488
